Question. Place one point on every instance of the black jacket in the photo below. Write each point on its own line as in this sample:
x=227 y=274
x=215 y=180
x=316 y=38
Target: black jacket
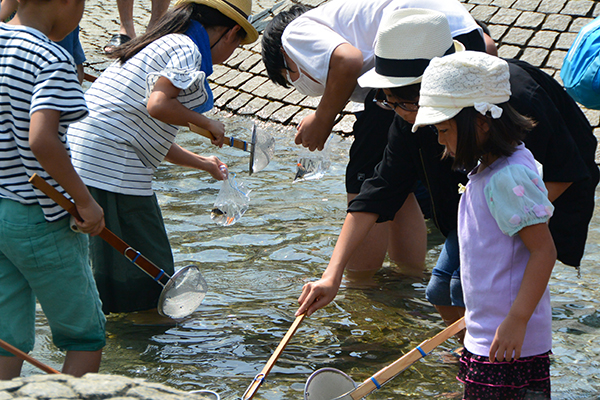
x=562 y=141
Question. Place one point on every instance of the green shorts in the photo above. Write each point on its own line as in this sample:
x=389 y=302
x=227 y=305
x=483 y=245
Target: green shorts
x=50 y=262
x=137 y=220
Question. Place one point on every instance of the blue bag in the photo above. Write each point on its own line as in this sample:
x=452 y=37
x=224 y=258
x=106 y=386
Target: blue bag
x=580 y=71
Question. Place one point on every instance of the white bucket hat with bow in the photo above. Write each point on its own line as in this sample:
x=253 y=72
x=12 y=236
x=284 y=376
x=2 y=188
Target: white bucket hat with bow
x=466 y=79
x=407 y=39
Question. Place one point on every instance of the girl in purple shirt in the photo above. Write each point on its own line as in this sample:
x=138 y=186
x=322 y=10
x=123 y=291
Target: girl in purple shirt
x=507 y=252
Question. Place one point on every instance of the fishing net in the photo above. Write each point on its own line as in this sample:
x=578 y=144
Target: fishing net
x=183 y=294
x=328 y=384
x=264 y=148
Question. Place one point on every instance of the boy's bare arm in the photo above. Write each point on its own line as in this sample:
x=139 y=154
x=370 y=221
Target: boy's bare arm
x=344 y=69
x=53 y=157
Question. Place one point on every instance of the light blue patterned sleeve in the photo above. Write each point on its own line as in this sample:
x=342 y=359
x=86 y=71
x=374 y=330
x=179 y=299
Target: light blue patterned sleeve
x=517 y=197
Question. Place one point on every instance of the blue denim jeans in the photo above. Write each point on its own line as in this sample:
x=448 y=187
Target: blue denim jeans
x=444 y=287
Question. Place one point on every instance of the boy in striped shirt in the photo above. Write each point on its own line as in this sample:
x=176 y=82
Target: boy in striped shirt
x=39 y=254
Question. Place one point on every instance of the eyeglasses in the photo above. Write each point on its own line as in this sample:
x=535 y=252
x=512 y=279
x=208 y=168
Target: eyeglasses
x=381 y=100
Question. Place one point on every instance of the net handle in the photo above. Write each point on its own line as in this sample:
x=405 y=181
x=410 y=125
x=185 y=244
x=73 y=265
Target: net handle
x=259 y=379
x=386 y=374
x=160 y=276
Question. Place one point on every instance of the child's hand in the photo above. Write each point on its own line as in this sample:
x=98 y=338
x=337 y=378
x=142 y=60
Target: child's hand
x=213 y=167
x=317 y=295
x=93 y=218
x=217 y=128
x=508 y=340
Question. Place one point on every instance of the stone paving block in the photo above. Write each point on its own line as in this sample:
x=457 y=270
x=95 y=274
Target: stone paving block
x=556 y=59
x=484 y=13
x=250 y=62
x=285 y=114
x=239 y=80
x=551 y=7
x=503 y=3
x=497 y=31
x=526 y=5
x=225 y=98
x=565 y=40
x=535 y=56
x=268 y=110
x=506 y=17
x=478 y=2
x=592 y=115
x=508 y=51
x=239 y=101
x=577 y=7
x=238 y=56
x=543 y=39
x=530 y=20
x=557 y=22
x=469 y=7
x=579 y=23
x=311 y=102
x=264 y=89
x=518 y=36
x=253 y=107
x=253 y=83
x=218 y=91
x=295 y=97
x=259 y=69
x=223 y=79
x=218 y=70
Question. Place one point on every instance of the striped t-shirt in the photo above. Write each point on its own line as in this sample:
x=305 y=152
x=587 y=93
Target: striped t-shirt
x=119 y=145
x=35 y=74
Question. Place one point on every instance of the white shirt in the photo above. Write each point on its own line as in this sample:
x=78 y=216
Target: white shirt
x=310 y=39
x=119 y=146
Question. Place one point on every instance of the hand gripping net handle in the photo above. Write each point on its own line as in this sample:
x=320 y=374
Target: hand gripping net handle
x=133 y=255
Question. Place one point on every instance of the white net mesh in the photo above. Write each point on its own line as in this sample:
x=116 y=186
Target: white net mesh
x=183 y=293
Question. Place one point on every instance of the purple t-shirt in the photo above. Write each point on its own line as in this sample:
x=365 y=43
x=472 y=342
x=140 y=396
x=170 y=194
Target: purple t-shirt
x=498 y=202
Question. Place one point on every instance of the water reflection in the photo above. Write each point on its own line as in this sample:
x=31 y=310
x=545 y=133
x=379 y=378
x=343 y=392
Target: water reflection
x=255 y=271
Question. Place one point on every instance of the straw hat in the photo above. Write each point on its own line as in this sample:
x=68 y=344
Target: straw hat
x=407 y=39
x=238 y=10
x=466 y=79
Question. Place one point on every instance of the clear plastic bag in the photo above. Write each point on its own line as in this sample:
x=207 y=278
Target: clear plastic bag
x=313 y=165
x=232 y=201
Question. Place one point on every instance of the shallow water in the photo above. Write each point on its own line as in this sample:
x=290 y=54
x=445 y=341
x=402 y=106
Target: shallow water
x=255 y=270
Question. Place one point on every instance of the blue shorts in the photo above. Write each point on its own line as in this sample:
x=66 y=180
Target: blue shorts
x=444 y=288
x=50 y=262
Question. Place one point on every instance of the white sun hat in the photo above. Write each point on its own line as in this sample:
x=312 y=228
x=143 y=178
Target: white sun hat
x=466 y=79
x=407 y=39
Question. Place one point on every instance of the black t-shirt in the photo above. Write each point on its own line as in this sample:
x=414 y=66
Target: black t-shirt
x=562 y=141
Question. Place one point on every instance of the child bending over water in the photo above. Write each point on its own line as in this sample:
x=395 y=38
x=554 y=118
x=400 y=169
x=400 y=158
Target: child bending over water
x=507 y=252
x=157 y=84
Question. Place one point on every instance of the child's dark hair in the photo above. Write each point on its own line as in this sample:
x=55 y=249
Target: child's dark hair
x=503 y=135
x=272 y=52
x=176 y=20
x=408 y=93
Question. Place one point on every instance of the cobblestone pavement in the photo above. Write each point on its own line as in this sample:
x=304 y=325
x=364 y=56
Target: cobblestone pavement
x=537 y=31
x=90 y=387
